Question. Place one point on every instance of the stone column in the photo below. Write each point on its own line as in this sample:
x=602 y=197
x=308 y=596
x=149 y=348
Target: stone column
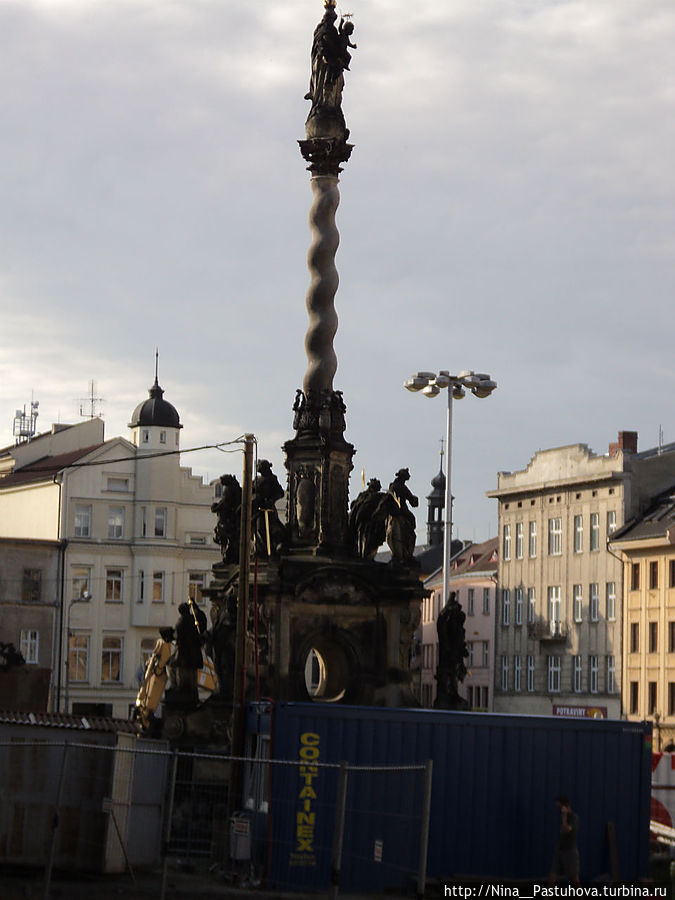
x=319 y=459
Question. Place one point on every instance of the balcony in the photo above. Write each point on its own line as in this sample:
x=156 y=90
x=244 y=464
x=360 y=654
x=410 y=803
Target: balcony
x=548 y=631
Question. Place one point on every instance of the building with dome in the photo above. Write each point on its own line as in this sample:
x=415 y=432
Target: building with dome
x=100 y=540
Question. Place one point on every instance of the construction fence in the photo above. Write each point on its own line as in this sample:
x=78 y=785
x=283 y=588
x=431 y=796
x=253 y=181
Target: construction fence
x=139 y=805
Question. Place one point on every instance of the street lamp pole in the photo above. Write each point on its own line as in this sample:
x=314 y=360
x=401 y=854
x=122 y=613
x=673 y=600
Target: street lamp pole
x=431 y=384
x=447 y=528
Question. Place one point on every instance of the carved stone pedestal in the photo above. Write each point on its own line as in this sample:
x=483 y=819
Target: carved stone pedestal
x=359 y=618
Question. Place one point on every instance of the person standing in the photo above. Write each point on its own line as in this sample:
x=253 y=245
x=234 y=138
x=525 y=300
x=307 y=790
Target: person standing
x=566 y=856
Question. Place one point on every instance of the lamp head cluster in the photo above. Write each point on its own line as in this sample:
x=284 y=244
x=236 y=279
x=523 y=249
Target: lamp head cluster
x=431 y=384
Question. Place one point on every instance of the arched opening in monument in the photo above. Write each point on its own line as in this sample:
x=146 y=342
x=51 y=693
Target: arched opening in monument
x=327 y=672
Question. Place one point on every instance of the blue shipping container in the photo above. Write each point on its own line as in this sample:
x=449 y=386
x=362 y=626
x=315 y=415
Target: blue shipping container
x=495 y=778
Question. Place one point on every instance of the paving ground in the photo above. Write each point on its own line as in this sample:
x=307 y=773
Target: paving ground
x=29 y=885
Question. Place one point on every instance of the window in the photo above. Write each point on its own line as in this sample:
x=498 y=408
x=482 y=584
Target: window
x=160 y=521
x=29 y=646
x=111 y=658
x=116 y=522
x=554 y=608
x=594 y=602
x=671 y=698
x=577 y=675
x=635 y=577
x=147 y=648
x=635 y=637
x=633 y=707
x=531 y=605
x=144 y=522
x=671 y=573
x=81 y=576
x=578 y=534
x=196 y=585
x=519 y=605
x=118 y=484
x=595 y=531
x=611 y=675
x=530 y=674
x=32 y=585
x=469 y=647
x=141 y=586
x=671 y=637
x=553 y=674
x=82 y=521
x=145 y=436
x=470 y=601
x=653 y=637
x=578 y=600
x=516 y=673
x=78 y=657
x=593 y=674
x=611 y=522
x=533 y=540
x=505 y=673
x=486 y=601
x=610 y=592
x=113 y=585
x=158 y=587
x=519 y=540
x=486 y=654
x=162 y=437
x=652 y=697
x=506 y=607
x=555 y=536
x=653 y=575
x=507 y=542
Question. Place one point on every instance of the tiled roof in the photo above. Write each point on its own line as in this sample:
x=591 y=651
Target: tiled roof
x=73 y=722
x=45 y=468
x=477 y=558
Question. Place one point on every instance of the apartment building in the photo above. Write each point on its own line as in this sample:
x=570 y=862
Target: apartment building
x=647 y=545
x=559 y=619
x=109 y=536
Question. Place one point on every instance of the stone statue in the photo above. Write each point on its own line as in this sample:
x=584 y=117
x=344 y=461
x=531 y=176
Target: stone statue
x=187 y=657
x=367 y=528
x=228 y=510
x=400 y=521
x=269 y=534
x=222 y=642
x=10 y=656
x=330 y=57
x=452 y=652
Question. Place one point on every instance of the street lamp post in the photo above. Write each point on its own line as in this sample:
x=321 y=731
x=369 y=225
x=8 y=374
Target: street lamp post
x=431 y=384
x=84 y=597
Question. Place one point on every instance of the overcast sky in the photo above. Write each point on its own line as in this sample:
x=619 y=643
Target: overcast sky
x=508 y=207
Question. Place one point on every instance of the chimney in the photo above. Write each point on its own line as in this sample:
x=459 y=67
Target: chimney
x=627 y=442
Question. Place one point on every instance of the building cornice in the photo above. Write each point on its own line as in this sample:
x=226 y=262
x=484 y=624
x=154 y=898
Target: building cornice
x=557 y=484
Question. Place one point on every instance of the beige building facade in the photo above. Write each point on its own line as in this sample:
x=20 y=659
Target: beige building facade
x=647 y=546
x=134 y=532
x=558 y=630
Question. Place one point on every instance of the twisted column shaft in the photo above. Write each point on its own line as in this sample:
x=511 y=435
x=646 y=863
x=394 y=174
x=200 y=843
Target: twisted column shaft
x=323 y=320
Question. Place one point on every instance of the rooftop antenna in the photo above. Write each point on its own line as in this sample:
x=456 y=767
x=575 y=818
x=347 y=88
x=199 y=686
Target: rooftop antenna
x=442 y=452
x=25 y=424
x=660 y=450
x=91 y=401
x=156 y=365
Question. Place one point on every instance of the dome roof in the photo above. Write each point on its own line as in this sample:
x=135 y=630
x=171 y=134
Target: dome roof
x=155 y=411
x=438 y=485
